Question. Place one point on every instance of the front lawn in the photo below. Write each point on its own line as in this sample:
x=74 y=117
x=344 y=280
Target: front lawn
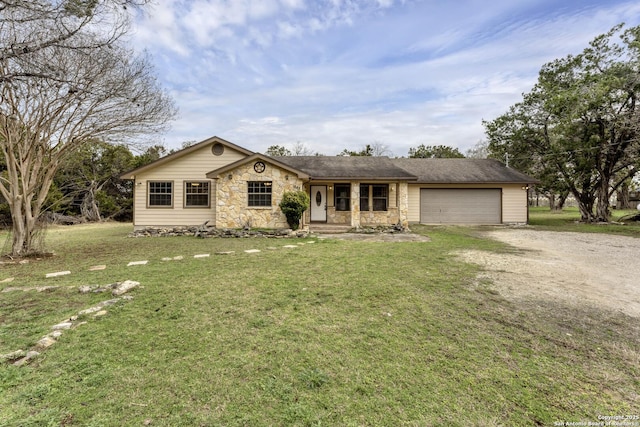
x=328 y=333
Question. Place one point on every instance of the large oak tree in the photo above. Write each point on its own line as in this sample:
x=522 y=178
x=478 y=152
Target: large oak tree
x=66 y=79
x=577 y=130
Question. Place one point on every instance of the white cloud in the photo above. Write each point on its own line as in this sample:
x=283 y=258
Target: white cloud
x=385 y=3
x=338 y=74
x=288 y=30
x=293 y=4
x=159 y=28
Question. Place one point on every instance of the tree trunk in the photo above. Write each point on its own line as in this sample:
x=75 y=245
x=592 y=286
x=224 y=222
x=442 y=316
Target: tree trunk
x=26 y=195
x=561 y=201
x=603 y=211
x=23 y=228
x=89 y=207
x=622 y=197
x=18 y=227
x=552 y=201
x=585 y=204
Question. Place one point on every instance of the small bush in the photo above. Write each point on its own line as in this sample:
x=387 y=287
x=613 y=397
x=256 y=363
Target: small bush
x=293 y=205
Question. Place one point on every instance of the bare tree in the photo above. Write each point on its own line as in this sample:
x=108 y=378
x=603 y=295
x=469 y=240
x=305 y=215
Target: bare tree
x=31 y=25
x=375 y=149
x=301 y=149
x=379 y=149
x=479 y=151
x=66 y=79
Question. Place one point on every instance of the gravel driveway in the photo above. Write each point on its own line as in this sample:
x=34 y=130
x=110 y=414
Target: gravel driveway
x=578 y=268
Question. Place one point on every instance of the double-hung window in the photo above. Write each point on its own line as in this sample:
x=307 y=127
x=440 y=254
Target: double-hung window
x=380 y=196
x=196 y=194
x=377 y=194
x=342 y=194
x=259 y=193
x=160 y=194
x=364 y=197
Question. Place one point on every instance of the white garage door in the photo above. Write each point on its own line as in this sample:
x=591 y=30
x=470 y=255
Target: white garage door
x=460 y=206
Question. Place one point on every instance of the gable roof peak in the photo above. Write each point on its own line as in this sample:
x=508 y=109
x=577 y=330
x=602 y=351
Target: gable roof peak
x=177 y=154
x=254 y=157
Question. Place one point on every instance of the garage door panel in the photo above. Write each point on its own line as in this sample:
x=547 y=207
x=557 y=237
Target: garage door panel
x=460 y=206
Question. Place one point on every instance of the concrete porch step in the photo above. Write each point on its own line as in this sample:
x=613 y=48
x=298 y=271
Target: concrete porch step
x=322 y=228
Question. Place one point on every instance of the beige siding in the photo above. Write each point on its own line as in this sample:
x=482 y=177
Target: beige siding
x=413 y=215
x=514 y=204
x=514 y=200
x=191 y=167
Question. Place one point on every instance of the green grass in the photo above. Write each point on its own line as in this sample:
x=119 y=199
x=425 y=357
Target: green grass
x=568 y=219
x=330 y=333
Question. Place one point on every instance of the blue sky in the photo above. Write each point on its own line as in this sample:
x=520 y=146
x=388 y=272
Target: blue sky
x=336 y=74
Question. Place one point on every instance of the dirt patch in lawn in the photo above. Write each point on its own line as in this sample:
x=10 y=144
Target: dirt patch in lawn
x=574 y=268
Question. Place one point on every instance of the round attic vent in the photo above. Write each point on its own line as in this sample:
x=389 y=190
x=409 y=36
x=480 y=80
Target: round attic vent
x=217 y=149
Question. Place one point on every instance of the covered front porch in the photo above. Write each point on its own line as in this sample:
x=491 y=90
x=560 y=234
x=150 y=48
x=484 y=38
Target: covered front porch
x=344 y=205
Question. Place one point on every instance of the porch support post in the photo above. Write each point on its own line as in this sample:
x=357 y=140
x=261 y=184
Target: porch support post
x=403 y=203
x=355 y=204
x=306 y=214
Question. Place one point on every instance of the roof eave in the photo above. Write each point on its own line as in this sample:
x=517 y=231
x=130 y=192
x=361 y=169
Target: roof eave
x=477 y=182
x=363 y=178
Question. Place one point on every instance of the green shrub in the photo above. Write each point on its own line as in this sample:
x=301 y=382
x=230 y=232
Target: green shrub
x=293 y=205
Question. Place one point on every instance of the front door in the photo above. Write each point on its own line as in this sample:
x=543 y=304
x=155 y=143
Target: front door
x=319 y=203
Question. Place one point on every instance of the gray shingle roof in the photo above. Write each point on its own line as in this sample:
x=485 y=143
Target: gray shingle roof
x=347 y=167
x=462 y=171
x=425 y=171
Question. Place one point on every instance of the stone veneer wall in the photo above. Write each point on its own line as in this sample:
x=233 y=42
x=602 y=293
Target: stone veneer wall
x=397 y=211
x=337 y=217
x=403 y=204
x=232 y=210
x=388 y=217
x=355 y=204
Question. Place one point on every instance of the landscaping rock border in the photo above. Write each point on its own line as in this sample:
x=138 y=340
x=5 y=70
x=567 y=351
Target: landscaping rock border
x=203 y=231
x=208 y=232
x=22 y=357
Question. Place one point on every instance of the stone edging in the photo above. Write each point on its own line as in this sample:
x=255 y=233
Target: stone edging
x=207 y=232
x=22 y=357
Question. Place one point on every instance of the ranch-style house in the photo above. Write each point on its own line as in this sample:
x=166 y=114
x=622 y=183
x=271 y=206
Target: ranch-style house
x=232 y=187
